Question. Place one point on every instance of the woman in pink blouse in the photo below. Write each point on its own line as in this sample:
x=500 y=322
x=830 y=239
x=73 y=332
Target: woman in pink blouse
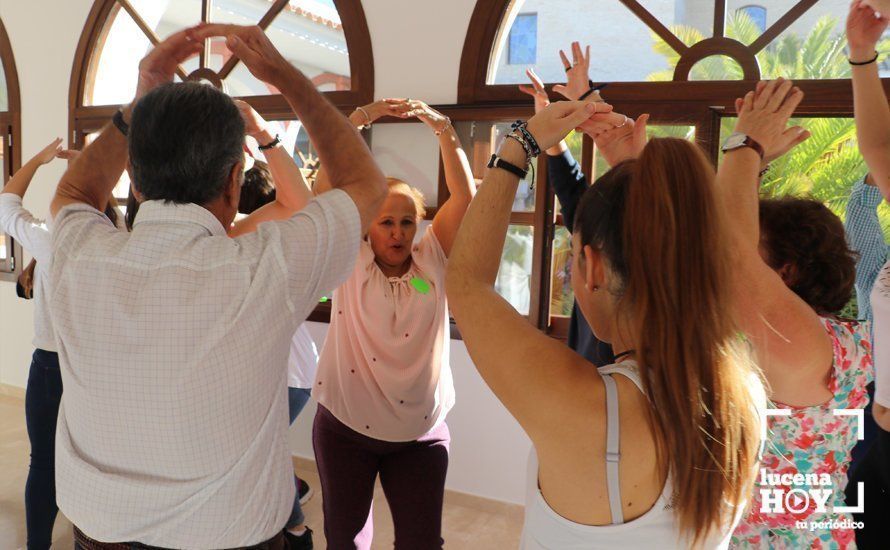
x=384 y=382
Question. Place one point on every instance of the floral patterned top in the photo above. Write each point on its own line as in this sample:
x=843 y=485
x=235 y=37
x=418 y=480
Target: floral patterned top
x=813 y=440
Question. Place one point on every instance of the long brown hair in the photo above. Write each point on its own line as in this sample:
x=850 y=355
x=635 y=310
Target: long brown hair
x=658 y=223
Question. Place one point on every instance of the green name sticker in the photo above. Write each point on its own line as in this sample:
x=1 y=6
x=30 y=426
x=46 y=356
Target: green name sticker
x=420 y=285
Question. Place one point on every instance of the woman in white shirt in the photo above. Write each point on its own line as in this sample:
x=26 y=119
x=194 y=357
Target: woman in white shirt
x=44 y=389
x=650 y=276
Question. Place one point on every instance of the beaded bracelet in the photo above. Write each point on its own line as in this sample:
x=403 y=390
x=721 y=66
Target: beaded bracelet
x=522 y=127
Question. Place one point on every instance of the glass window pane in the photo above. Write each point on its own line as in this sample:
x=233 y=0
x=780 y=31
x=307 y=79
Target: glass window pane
x=757 y=15
x=4 y=93
x=480 y=140
x=5 y=242
x=309 y=33
x=523 y=40
x=717 y=67
x=4 y=246
x=562 y=296
x=123 y=44
x=623 y=48
x=813 y=47
x=515 y=274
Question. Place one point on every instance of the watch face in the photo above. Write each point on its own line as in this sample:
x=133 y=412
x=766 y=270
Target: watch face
x=734 y=141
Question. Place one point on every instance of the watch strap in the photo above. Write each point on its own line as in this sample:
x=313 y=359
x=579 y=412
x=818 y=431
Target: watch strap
x=120 y=123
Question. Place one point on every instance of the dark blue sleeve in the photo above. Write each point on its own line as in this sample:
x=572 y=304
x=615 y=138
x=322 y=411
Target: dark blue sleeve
x=569 y=184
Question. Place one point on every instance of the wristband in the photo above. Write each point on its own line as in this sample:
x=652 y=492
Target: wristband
x=498 y=162
x=367 y=123
x=444 y=128
x=271 y=144
x=592 y=89
x=119 y=123
x=519 y=138
x=861 y=63
x=522 y=128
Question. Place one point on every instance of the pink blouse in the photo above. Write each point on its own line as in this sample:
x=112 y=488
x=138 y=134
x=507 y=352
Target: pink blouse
x=384 y=370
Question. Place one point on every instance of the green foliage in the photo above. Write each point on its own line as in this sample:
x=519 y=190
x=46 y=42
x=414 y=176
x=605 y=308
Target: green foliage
x=828 y=163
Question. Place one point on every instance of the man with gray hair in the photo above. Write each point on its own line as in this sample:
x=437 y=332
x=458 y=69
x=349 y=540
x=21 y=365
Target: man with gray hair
x=181 y=441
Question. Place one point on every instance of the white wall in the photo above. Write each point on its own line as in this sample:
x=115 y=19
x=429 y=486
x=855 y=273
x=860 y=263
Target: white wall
x=416 y=54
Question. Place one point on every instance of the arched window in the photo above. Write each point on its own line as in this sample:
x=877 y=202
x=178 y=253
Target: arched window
x=684 y=62
x=326 y=39
x=10 y=150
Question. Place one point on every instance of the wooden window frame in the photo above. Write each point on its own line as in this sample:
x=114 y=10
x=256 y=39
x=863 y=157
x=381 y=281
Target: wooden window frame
x=85 y=119
x=701 y=104
x=11 y=131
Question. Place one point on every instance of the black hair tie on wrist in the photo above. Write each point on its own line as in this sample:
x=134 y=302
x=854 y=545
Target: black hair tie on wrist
x=861 y=63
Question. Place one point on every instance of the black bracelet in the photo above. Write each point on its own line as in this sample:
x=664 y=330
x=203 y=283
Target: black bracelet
x=271 y=144
x=521 y=127
x=592 y=90
x=861 y=63
x=120 y=123
x=498 y=162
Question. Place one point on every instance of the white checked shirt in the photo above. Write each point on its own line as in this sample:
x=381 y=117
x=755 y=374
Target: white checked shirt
x=34 y=237
x=173 y=345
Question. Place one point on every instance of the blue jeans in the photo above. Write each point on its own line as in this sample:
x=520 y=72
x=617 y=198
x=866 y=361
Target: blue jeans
x=42 y=399
x=296 y=400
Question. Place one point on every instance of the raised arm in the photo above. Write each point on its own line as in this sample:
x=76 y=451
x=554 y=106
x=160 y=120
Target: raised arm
x=362 y=118
x=866 y=238
x=20 y=181
x=18 y=222
x=510 y=354
x=292 y=192
x=870 y=109
x=342 y=151
x=92 y=176
x=458 y=174
x=792 y=346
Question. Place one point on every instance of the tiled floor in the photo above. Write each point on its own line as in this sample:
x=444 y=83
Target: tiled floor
x=469 y=523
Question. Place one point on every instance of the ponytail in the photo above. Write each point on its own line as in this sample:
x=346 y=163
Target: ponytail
x=667 y=244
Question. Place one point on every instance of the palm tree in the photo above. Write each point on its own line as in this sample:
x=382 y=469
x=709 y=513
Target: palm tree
x=825 y=166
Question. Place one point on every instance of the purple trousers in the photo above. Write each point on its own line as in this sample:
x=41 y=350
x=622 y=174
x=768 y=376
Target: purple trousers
x=412 y=475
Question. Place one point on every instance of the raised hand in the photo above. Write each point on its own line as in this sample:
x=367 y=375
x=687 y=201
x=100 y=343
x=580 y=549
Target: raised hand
x=157 y=68
x=555 y=122
x=865 y=26
x=623 y=142
x=577 y=75
x=48 y=153
x=764 y=114
x=429 y=116
x=603 y=122
x=250 y=45
x=254 y=123
x=536 y=90
x=382 y=107
x=790 y=138
x=68 y=154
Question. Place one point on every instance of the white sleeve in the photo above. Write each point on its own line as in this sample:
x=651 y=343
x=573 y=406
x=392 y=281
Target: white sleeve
x=32 y=233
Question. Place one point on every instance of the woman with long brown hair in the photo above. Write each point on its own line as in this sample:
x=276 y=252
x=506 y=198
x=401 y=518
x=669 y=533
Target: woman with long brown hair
x=659 y=449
